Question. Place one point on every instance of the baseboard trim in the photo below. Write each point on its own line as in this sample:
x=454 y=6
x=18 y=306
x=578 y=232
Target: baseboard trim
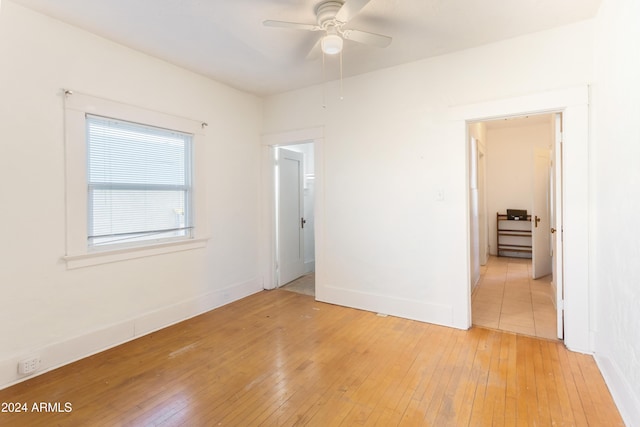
x=439 y=314
x=309 y=266
x=72 y=349
x=628 y=404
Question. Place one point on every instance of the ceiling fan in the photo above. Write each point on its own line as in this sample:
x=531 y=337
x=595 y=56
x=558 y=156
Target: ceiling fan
x=331 y=17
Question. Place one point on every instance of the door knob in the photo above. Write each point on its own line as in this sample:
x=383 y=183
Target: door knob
x=553 y=230
x=537 y=221
x=302 y=222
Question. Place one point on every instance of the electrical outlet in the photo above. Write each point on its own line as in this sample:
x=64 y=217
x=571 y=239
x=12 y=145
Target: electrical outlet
x=29 y=365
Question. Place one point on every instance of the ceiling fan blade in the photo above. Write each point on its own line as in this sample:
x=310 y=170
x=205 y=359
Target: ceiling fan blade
x=315 y=51
x=291 y=25
x=349 y=9
x=367 y=38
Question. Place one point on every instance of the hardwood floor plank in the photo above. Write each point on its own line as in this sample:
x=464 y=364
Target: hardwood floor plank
x=572 y=388
x=494 y=392
x=258 y=402
x=281 y=358
x=368 y=393
x=524 y=416
x=540 y=381
x=398 y=401
x=511 y=386
x=342 y=356
x=554 y=401
x=533 y=384
x=501 y=378
x=481 y=406
x=465 y=399
x=448 y=410
x=583 y=388
x=561 y=388
x=438 y=379
x=389 y=391
x=598 y=391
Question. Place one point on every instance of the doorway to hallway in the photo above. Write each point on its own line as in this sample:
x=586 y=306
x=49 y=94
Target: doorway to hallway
x=513 y=163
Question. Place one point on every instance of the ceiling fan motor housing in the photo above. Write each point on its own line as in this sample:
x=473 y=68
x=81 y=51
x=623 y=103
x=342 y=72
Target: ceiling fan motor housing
x=326 y=12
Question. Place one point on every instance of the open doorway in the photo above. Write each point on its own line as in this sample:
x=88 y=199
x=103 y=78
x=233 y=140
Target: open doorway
x=513 y=201
x=294 y=191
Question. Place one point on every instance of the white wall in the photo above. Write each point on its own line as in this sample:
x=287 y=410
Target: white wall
x=388 y=244
x=63 y=314
x=615 y=202
x=510 y=156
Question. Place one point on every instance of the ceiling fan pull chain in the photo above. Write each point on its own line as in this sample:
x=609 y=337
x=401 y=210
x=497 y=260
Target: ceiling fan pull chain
x=341 y=93
x=324 y=83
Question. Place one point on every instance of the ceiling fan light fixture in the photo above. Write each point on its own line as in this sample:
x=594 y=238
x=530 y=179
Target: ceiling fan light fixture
x=331 y=44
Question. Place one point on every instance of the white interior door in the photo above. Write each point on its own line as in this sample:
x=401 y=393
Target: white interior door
x=556 y=222
x=540 y=217
x=290 y=216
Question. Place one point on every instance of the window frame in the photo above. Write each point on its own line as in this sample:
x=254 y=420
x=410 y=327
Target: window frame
x=94 y=187
x=78 y=252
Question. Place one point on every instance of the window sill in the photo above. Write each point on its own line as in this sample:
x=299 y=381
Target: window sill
x=107 y=256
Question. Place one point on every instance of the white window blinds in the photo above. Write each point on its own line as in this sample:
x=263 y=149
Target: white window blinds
x=139 y=182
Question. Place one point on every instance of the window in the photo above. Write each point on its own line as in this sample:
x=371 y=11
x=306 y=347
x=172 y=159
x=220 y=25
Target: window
x=139 y=182
x=134 y=182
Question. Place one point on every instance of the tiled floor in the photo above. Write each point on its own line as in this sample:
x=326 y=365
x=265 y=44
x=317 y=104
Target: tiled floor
x=507 y=298
x=303 y=285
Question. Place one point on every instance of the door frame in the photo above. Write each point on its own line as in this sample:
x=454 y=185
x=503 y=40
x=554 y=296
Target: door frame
x=268 y=252
x=573 y=103
x=556 y=222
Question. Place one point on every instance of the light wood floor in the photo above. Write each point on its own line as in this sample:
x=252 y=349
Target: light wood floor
x=281 y=358
x=507 y=298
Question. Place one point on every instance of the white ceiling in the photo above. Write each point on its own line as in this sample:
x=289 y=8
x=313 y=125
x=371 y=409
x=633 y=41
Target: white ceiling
x=225 y=39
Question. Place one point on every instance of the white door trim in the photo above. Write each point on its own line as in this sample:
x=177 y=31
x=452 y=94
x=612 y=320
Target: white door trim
x=268 y=227
x=556 y=238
